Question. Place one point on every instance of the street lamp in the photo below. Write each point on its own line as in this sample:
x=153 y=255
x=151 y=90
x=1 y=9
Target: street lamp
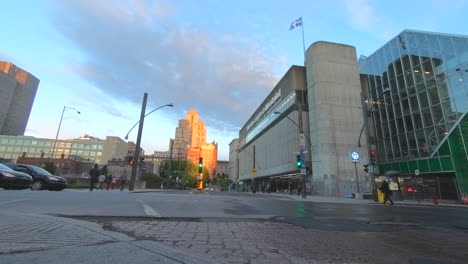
x=138 y=143
x=169 y=105
x=60 y=124
x=302 y=145
x=366 y=113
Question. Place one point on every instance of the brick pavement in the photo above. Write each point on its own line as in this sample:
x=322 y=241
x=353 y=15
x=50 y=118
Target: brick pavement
x=257 y=242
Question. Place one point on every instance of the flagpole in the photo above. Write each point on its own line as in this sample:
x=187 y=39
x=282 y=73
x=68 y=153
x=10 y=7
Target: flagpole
x=303 y=42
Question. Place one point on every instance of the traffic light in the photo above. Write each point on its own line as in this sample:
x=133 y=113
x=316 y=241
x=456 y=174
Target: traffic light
x=130 y=160
x=200 y=165
x=366 y=169
x=372 y=157
x=298 y=161
x=409 y=189
x=308 y=170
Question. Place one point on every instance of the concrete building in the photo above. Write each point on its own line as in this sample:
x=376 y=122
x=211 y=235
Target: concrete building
x=190 y=142
x=17 y=92
x=233 y=165
x=83 y=149
x=413 y=94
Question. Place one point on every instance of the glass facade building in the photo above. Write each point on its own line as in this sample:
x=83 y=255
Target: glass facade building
x=417 y=85
x=12 y=147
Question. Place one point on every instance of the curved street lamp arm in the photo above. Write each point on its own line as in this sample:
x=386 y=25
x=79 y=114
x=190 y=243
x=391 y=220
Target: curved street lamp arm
x=171 y=105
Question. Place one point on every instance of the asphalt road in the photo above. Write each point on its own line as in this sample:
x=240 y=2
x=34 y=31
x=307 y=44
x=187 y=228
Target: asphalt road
x=282 y=230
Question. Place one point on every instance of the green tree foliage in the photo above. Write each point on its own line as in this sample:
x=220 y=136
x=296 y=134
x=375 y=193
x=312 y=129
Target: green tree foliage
x=186 y=171
x=50 y=167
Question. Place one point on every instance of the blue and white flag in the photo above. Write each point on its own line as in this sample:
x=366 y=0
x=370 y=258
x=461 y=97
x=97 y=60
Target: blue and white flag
x=296 y=23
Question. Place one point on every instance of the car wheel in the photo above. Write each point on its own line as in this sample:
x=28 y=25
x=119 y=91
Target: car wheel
x=37 y=185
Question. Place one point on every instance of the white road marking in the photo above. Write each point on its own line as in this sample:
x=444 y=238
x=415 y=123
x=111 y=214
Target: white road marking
x=12 y=201
x=148 y=209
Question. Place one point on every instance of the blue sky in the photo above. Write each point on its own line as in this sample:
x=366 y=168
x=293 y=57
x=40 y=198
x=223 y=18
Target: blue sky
x=219 y=57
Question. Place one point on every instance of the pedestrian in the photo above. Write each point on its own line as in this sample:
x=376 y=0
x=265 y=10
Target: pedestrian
x=268 y=188
x=123 y=179
x=113 y=183
x=101 y=180
x=109 y=180
x=385 y=189
x=93 y=176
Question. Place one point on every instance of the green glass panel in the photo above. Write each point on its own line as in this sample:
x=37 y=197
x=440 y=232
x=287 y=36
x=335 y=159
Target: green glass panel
x=434 y=165
x=444 y=149
x=458 y=143
x=404 y=167
x=423 y=165
x=396 y=166
x=413 y=165
x=446 y=164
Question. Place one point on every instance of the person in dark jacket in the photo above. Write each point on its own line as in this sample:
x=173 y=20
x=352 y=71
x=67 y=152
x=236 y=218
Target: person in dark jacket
x=93 y=174
x=385 y=189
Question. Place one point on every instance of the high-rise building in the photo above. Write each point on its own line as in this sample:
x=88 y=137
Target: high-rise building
x=190 y=142
x=17 y=92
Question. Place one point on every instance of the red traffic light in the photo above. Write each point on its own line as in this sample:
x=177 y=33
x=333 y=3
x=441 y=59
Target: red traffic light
x=372 y=153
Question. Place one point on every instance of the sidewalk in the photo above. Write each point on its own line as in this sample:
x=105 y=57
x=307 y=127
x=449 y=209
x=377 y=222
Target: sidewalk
x=343 y=200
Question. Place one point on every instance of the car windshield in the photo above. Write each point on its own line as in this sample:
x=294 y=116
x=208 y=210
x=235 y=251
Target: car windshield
x=40 y=170
x=5 y=168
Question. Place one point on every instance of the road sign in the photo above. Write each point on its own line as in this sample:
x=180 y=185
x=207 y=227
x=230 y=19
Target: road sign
x=354 y=156
x=303 y=171
x=302 y=140
x=254 y=170
x=416 y=172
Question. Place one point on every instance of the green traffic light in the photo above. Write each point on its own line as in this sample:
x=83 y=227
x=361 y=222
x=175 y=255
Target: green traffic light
x=200 y=165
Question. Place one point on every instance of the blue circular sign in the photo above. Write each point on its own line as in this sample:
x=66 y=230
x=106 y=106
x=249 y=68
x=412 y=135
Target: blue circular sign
x=354 y=155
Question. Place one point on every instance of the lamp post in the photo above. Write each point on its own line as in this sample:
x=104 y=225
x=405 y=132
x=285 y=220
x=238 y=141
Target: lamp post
x=60 y=124
x=366 y=113
x=302 y=135
x=138 y=143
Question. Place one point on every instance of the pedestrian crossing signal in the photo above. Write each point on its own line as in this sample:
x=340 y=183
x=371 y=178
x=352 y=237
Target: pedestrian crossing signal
x=200 y=185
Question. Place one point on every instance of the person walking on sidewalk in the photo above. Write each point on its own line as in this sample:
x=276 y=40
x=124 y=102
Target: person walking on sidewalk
x=123 y=179
x=101 y=180
x=93 y=174
x=109 y=180
x=385 y=189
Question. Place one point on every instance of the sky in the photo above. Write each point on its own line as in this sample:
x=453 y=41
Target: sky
x=219 y=57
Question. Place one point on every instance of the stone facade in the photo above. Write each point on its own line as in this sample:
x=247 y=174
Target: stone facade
x=190 y=142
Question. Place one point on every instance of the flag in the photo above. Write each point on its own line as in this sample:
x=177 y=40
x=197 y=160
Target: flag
x=296 y=23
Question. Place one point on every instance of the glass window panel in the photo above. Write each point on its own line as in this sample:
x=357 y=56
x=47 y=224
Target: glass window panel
x=94 y=147
x=391 y=71
x=432 y=137
x=430 y=81
x=438 y=114
x=406 y=63
x=68 y=145
x=86 y=153
x=448 y=51
x=427 y=117
x=397 y=109
x=386 y=130
x=409 y=80
x=414 y=103
x=415 y=60
x=403 y=146
x=396 y=148
x=390 y=114
x=422 y=44
x=411 y=140
x=434 y=46
x=394 y=88
x=92 y=153
x=33 y=143
x=443 y=91
x=427 y=68
x=418 y=75
x=393 y=130
x=405 y=105
x=409 y=123
x=441 y=132
x=401 y=83
x=417 y=120
x=100 y=147
x=398 y=67
x=461 y=48
x=401 y=128
x=423 y=99
x=434 y=95
x=450 y=112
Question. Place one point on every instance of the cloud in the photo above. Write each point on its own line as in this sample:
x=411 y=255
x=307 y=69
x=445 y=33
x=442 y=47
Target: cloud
x=132 y=47
x=361 y=14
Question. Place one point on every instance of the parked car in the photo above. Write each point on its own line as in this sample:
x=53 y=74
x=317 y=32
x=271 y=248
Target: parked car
x=10 y=179
x=42 y=179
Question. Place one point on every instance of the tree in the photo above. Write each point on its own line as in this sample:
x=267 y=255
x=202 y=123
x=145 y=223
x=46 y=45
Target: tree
x=50 y=167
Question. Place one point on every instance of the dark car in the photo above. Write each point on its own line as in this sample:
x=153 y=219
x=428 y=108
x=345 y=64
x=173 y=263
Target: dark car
x=10 y=179
x=42 y=179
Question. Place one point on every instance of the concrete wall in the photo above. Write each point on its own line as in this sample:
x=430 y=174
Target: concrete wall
x=233 y=166
x=335 y=117
x=18 y=90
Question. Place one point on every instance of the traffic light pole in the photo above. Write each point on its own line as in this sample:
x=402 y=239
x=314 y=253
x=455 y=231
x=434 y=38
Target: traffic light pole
x=301 y=150
x=371 y=168
x=137 y=148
